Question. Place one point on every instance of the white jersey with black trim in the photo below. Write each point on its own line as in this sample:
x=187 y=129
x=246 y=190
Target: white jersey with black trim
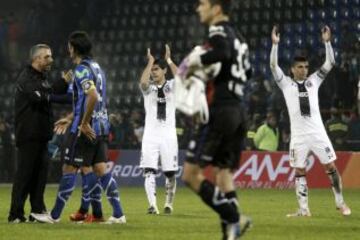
x=302 y=125
x=154 y=126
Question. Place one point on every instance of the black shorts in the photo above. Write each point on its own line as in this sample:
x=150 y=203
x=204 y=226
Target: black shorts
x=218 y=142
x=81 y=152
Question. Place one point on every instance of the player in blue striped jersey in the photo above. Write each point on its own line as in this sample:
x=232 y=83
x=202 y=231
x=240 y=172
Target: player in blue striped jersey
x=82 y=214
x=89 y=76
x=86 y=145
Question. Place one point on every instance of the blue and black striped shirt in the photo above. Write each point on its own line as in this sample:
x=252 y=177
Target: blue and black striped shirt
x=86 y=73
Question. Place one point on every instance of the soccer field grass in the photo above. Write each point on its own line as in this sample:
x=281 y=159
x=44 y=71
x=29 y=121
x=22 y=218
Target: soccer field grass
x=192 y=220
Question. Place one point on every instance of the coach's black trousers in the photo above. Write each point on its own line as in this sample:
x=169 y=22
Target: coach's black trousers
x=30 y=179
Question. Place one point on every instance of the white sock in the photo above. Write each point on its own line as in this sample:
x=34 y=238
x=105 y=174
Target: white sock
x=150 y=188
x=336 y=183
x=170 y=188
x=302 y=192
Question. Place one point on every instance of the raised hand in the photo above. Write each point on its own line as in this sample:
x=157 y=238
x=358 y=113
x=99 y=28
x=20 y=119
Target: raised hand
x=167 y=52
x=326 y=33
x=150 y=57
x=275 y=35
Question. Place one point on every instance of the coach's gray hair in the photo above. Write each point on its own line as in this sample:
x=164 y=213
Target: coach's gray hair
x=34 y=51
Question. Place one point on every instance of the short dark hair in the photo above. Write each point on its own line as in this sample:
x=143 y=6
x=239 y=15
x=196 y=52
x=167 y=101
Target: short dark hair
x=161 y=62
x=297 y=59
x=81 y=43
x=226 y=5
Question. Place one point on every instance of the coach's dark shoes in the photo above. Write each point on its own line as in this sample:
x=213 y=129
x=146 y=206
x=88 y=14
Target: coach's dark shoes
x=16 y=220
x=31 y=219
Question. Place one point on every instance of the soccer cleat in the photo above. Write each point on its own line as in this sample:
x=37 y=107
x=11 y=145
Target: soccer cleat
x=78 y=216
x=114 y=220
x=168 y=209
x=17 y=220
x=31 y=219
x=44 y=218
x=300 y=213
x=344 y=209
x=92 y=219
x=234 y=231
x=153 y=210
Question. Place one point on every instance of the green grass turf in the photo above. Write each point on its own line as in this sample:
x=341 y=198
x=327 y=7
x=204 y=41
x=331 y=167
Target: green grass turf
x=192 y=220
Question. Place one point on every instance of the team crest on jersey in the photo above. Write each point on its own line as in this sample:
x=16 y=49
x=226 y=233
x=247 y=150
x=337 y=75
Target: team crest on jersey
x=308 y=84
x=166 y=88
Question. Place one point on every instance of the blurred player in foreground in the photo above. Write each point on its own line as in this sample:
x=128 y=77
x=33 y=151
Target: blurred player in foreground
x=218 y=142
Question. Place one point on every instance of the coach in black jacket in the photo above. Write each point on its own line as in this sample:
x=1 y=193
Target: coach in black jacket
x=33 y=130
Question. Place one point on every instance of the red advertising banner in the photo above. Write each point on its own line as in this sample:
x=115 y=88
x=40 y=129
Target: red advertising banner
x=256 y=169
x=272 y=170
x=350 y=176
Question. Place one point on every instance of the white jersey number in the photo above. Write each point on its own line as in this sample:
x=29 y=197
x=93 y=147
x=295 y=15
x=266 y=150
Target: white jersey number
x=99 y=80
x=238 y=68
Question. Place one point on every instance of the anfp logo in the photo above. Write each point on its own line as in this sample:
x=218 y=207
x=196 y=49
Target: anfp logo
x=267 y=168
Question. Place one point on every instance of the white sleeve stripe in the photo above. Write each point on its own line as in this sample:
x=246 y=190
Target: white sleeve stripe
x=216 y=29
x=211 y=34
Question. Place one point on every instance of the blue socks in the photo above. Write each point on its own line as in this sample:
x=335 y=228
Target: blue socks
x=109 y=185
x=95 y=197
x=91 y=193
x=85 y=196
x=89 y=182
x=66 y=187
